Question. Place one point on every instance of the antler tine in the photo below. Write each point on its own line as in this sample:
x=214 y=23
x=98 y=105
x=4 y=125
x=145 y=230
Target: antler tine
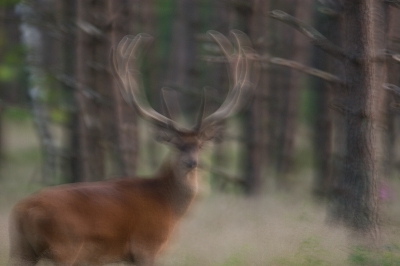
x=123 y=62
x=200 y=114
x=166 y=109
x=238 y=69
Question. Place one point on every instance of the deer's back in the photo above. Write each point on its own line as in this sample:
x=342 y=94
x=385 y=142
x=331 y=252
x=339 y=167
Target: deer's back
x=96 y=222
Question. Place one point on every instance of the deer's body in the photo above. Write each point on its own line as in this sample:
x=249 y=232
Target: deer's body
x=121 y=220
x=125 y=220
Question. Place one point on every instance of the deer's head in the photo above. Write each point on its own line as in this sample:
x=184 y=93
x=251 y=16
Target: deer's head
x=187 y=141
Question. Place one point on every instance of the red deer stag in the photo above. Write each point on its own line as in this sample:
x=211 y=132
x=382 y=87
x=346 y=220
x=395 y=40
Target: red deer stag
x=125 y=220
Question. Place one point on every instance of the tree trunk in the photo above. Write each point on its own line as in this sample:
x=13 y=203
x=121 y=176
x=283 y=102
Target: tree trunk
x=220 y=20
x=32 y=37
x=126 y=117
x=356 y=202
x=391 y=156
x=256 y=123
x=181 y=70
x=71 y=159
x=327 y=25
x=91 y=151
x=289 y=98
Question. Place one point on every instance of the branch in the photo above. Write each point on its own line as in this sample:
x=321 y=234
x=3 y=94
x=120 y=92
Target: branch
x=283 y=62
x=309 y=70
x=316 y=37
x=396 y=94
x=328 y=11
x=392 y=88
x=395 y=39
x=89 y=93
x=89 y=28
x=394 y=3
x=396 y=57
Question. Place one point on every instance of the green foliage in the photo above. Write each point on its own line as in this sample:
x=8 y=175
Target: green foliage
x=307 y=105
x=59 y=116
x=4 y=3
x=309 y=253
x=11 y=65
x=237 y=258
x=389 y=256
x=7 y=73
x=17 y=114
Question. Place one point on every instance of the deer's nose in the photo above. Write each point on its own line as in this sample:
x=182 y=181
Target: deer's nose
x=191 y=164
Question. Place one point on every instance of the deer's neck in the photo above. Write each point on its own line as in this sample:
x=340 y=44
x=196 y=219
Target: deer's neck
x=181 y=187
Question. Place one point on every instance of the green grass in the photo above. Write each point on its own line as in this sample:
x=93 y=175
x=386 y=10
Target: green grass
x=309 y=253
x=387 y=256
x=16 y=115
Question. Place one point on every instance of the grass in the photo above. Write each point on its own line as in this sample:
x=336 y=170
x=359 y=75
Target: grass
x=272 y=230
x=388 y=256
x=221 y=229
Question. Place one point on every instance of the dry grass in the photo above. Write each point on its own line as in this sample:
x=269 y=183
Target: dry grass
x=230 y=230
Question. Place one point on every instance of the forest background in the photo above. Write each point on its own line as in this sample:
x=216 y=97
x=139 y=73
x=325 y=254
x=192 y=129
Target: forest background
x=307 y=174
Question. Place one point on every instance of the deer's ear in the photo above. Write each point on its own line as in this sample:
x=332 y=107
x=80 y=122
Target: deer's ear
x=169 y=137
x=214 y=133
x=164 y=135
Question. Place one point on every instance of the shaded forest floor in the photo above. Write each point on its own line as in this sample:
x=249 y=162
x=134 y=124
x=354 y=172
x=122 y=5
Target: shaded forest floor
x=223 y=229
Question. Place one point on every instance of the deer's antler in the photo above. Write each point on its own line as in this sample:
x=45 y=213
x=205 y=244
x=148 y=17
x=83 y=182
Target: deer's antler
x=123 y=61
x=238 y=68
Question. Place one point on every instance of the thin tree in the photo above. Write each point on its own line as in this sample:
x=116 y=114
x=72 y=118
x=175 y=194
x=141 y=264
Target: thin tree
x=256 y=133
x=289 y=88
x=391 y=156
x=91 y=153
x=33 y=37
x=326 y=21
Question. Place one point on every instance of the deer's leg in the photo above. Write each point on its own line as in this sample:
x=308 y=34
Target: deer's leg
x=145 y=261
x=21 y=251
x=142 y=256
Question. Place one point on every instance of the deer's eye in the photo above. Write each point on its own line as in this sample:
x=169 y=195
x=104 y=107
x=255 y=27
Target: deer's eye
x=182 y=146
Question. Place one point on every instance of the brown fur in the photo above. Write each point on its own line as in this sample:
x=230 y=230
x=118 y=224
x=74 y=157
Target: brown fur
x=96 y=223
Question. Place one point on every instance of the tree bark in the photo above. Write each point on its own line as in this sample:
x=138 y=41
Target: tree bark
x=33 y=38
x=289 y=99
x=220 y=22
x=392 y=158
x=255 y=127
x=356 y=203
x=327 y=25
x=70 y=167
x=91 y=151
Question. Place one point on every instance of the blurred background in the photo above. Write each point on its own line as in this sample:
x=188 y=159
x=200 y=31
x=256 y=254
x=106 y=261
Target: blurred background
x=268 y=185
